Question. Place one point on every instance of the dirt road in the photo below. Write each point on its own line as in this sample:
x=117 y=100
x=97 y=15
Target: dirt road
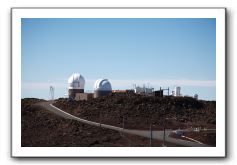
x=144 y=133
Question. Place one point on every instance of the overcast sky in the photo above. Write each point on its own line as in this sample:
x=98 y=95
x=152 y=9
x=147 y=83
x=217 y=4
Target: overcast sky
x=154 y=52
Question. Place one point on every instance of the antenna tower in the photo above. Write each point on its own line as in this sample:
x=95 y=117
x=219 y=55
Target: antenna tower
x=51 y=90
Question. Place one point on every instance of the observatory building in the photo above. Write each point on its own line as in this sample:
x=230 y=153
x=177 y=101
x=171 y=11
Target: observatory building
x=143 y=90
x=76 y=84
x=176 y=91
x=195 y=96
x=102 y=87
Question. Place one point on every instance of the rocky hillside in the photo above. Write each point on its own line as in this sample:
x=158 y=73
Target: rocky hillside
x=40 y=128
x=137 y=111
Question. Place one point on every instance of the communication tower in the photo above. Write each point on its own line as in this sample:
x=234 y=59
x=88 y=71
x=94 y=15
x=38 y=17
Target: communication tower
x=51 y=91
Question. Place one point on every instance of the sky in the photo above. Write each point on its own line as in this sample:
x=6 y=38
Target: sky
x=157 y=52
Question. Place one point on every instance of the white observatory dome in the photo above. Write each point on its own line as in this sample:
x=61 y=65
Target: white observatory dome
x=102 y=85
x=76 y=81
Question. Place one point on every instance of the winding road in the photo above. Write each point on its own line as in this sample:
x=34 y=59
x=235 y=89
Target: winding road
x=144 y=133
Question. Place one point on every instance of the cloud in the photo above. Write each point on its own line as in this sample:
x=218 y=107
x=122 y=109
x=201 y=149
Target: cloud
x=125 y=83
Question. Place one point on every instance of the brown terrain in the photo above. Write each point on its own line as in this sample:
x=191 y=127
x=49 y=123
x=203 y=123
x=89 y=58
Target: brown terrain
x=139 y=112
x=42 y=128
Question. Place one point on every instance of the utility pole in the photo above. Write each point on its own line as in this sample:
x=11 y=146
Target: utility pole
x=164 y=128
x=150 y=134
x=123 y=122
x=100 y=118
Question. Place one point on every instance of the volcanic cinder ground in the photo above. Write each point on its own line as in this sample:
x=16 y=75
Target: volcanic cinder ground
x=43 y=128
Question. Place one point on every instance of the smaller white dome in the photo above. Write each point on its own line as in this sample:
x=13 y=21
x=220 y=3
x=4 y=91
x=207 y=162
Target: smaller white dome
x=76 y=81
x=102 y=85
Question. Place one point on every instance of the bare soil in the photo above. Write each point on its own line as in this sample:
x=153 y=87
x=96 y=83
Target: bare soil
x=135 y=111
x=41 y=128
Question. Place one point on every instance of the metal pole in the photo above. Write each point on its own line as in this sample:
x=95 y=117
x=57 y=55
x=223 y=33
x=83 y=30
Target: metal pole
x=150 y=135
x=123 y=122
x=100 y=118
x=164 y=138
x=164 y=129
x=168 y=91
x=160 y=91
